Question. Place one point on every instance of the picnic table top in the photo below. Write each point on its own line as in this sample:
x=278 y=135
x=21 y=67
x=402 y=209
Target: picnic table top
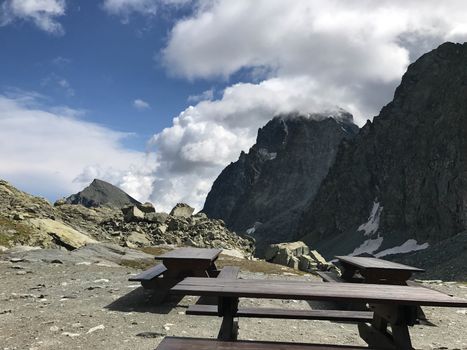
x=191 y=254
x=303 y=290
x=368 y=263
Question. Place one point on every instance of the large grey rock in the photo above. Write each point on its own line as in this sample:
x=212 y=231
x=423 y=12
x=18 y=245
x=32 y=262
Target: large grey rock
x=404 y=177
x=100 y=193
x=182 y=210
x=133 y=213
x=272 y=182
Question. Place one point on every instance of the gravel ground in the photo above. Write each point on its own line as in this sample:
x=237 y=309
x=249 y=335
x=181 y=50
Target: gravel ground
x=82 y=305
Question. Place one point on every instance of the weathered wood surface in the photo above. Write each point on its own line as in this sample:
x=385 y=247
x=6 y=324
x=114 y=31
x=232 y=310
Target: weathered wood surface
x=329 y=315
x=175 y=343
x=227 y=272
x=191 y=254
x=369 y=263
x=356 y=292
x=149 y=274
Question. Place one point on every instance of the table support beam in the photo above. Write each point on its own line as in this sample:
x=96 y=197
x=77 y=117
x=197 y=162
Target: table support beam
x=227 y=308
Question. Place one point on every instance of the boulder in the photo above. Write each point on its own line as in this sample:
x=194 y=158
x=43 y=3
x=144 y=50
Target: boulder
x=182 y=210
x=136 y=240
x=62 y=234
x=147 y=207
x=133 y=213
x=160 y=218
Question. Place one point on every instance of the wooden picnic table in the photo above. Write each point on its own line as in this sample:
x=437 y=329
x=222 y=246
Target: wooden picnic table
x=194 y=262
x=392 y=304
x=176 y=265
x=374 y=270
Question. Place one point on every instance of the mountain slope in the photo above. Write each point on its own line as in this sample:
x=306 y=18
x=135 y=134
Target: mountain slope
x=401 y=184
x=281 y=172
x=100 y=193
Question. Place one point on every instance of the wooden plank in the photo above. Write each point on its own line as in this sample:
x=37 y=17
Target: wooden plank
x=375 y=263
x=330 y=315
x=191 y=254
x=149 y=274
x=176 y=343
x=286 y=289
x=227 y=272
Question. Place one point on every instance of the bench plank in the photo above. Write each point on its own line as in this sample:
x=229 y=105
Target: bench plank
x=227 y=272
x=176 y=343
x=329 y=315
x=149 y=274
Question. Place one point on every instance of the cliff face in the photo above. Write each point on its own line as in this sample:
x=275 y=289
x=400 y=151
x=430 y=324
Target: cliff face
x=272 y=183
x=401 y=184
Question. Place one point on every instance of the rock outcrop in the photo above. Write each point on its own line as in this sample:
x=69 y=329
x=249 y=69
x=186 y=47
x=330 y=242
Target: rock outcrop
x=100 y=193
x=263 y=193
x=33 y=221
x=296 y=255
x=401 y=184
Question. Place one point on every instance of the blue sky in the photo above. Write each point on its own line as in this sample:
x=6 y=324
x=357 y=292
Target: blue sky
x=107 y=65
x=158 y=96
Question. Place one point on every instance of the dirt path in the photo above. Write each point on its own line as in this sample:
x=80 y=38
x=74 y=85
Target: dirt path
x=81 y=305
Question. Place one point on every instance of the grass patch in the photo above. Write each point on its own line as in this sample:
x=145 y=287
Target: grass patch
x=14 y=232
x=255 y=266
x=138 y=265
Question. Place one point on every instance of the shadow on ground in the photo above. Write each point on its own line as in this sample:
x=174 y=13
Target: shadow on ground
x=141 y=300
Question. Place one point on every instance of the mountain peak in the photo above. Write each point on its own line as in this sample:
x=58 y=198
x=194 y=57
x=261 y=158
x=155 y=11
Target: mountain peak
x=102 y=193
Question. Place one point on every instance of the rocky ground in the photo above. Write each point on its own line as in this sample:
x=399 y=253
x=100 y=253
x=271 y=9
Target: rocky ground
x=54 y=299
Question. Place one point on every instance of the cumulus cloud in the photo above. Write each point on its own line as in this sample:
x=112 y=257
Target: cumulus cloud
x=305 y=56
x=141 y=105
x=54 y=153
x=43 y=13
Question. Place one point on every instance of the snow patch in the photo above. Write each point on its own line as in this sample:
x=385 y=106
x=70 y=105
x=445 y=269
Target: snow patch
x=267 y=155
x=251 y=230
x=369 y=246
x=409 y=246
x=372 y=225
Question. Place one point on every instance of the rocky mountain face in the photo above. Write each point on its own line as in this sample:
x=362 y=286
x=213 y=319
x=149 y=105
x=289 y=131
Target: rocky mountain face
x=33 y=221
x=101 y=193
x=263 y=193
x=401 y=184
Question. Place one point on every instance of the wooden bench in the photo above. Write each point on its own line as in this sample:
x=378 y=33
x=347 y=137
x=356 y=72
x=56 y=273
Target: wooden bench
x=149 y=275
x=328 y=315
x=176 y=343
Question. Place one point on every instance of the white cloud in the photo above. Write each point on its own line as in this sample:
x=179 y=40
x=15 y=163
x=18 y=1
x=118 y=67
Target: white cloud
x=43 y=13
x=205 y=95
x=141 y=105
x=54 y=153
x=61 y=84
x=124 y=8
x=302 y=55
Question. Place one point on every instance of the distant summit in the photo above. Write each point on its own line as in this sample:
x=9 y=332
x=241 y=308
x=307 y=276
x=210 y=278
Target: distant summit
x=264 y=192
x=101 y=193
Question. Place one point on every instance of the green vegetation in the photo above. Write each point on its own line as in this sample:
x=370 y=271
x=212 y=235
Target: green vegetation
x=13 y=232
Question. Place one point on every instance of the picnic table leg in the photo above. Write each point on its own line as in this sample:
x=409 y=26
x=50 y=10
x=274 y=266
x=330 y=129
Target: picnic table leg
x=399 y=317
x=348 y=271
x=227 y=308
